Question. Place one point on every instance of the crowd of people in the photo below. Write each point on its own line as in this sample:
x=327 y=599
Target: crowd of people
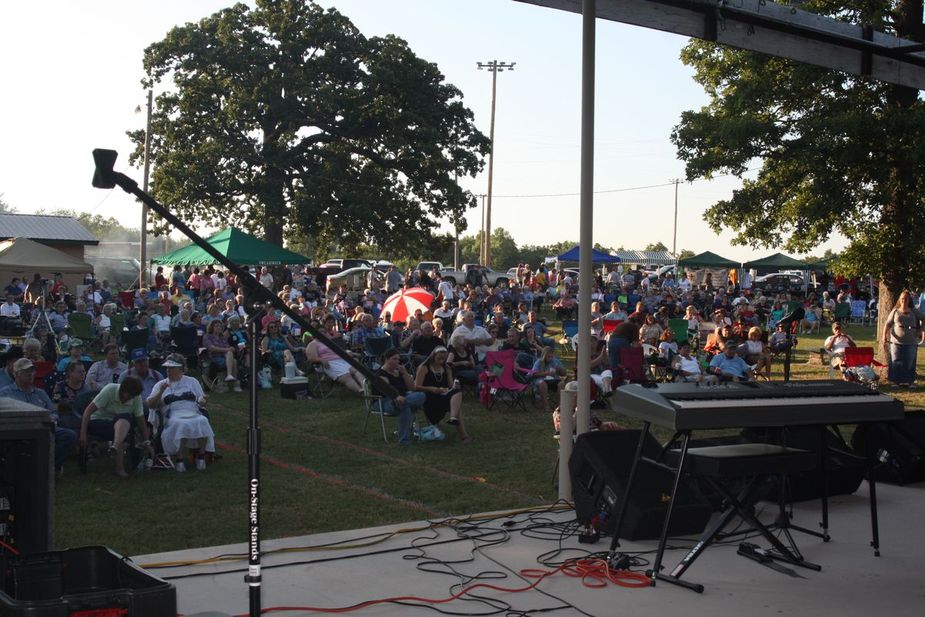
x=192 y=315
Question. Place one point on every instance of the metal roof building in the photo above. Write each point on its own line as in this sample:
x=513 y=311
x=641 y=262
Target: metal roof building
x=47 y=229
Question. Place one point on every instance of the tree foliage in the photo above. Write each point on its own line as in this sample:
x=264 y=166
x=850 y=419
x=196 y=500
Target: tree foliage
x=285 y=118
x=656 y=247
x=836 y=152
x=6 y=208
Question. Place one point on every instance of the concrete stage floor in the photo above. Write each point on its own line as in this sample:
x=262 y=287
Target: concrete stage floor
x=852 y=580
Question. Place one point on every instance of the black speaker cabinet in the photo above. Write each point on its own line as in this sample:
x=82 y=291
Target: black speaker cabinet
x=599 y=467
x=26 y=476
x=844 y=468
x=900 y=445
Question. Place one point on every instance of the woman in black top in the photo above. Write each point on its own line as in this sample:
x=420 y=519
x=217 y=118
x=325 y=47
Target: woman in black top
x=406 y=402
x=435 y=379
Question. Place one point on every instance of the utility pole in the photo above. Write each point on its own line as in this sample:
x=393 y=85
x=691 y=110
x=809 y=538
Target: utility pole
x=674 y=241
x=143 y=273
x=494 y=67
x=482 y=234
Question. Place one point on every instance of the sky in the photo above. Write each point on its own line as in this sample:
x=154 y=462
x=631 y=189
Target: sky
x=71 y=82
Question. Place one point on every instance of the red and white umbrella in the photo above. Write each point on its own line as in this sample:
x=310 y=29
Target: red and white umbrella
x=405 y=302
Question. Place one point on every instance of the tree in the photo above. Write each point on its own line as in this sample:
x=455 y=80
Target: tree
x=657 y=247
x=6 y=208
x=837 y=152
x=685 y=253
x=286 y=118
x=504 y=251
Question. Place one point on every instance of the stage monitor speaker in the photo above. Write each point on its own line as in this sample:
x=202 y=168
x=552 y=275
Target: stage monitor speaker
x=26 y=476
x=844 y=468
x=599 y=467
x=900 y=445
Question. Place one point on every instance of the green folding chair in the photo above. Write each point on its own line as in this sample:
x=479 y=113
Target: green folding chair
x=679 y=327
x=80 y=326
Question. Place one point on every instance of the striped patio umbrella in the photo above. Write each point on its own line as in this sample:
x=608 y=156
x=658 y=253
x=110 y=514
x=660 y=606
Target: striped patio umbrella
x=405 y=302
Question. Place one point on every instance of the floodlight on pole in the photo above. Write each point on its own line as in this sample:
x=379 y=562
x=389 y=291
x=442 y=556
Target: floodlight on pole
x=494 y=67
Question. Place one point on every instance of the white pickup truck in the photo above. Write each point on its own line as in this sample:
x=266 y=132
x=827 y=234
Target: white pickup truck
x=488 y=276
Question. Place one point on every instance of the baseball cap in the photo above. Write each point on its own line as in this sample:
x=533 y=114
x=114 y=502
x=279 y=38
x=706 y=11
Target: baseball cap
x=75 y=342
x=23 y=364
x=139 y=354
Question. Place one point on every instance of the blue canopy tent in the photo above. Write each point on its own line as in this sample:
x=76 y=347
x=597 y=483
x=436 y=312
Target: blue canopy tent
x=598 y=257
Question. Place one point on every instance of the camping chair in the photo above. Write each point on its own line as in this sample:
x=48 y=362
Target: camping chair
x=80 y=326
x=858 y=312
x=859 y=366
x=185 y=341
x=373 y=348
x=609 y=325
x=680 y=329
x=116 y=326
x=498 y=378
x=77 y=410
x=569 y=332
x=320 y=385
x=657 y=366
x=43 y=370
x=375 y=406
x=843 y=313
x=127 y=300
x=134 y=339
x=632 y=367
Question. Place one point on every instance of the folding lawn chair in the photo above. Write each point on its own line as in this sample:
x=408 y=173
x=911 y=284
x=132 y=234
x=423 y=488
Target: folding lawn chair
x=859 y=365
x=499 y=378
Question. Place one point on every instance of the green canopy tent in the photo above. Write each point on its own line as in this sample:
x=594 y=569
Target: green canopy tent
x=777 y=261
x=707 y=259
x=237 y=246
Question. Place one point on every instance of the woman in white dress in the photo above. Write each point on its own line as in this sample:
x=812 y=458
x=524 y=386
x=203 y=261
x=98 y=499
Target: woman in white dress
x=179 y=398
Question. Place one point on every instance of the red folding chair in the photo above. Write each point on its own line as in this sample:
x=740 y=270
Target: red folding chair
x=499 y=379
x=632 y=366
x=127 y=298
x=859 y=365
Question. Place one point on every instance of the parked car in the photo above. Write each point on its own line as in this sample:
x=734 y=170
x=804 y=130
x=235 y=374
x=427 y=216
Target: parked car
x=333 y=266
x=780 y=282
x=117 y=270
x=354 y=278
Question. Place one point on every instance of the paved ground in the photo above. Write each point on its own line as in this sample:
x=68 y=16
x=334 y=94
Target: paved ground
x=852 y=581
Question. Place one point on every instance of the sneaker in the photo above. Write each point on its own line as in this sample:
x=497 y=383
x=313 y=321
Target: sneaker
x=200 y=464
x=237 y=387
x=180 y=466
x=230 y=378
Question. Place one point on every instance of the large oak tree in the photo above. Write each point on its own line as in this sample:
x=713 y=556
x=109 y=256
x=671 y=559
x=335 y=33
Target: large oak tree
x=285 y=117
x=837 y=153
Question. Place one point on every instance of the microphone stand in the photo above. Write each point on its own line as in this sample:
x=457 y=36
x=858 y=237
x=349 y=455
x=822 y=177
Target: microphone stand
x=105 y=177
x=253 y=577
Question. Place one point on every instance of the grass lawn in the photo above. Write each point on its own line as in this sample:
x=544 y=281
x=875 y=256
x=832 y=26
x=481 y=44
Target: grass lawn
x=320 y=472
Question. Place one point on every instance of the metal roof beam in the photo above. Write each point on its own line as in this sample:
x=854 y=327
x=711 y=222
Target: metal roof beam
x=773 y=29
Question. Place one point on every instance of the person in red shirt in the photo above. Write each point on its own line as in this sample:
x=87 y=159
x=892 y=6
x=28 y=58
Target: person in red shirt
x=159 y=279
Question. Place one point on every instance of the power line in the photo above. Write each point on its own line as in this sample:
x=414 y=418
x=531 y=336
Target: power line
x=619 y=190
